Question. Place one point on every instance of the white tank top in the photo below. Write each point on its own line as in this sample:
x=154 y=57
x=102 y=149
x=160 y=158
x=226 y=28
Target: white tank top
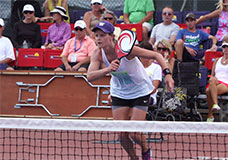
x=130 y=81
x=221 y=71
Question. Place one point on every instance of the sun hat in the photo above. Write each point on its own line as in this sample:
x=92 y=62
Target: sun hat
x=224 y=44
x=61 y=10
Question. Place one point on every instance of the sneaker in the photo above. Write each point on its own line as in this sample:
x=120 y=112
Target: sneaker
x=211 y=119
x=147 y=155
x=215 y=107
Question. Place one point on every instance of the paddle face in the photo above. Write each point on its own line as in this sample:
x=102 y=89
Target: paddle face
x=125 y=43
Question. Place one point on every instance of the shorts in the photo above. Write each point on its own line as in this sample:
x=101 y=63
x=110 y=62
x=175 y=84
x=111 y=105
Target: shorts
x=220 y=82
x=3 y=66
x=62 y=66
x=187 y=57
x=137 y=102
x=147 y=25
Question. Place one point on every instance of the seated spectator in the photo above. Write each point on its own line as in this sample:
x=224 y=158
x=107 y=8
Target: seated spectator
x=77 y=50
x=111 y=17
x=6 y=50
x=26 y=33
x=17 y=14
x=49 y=5
x=92 y=18
x=165 y=30
x=188 y=41
x=164 y=47
x=154 y=71
x=59 y=32
x=222 y=13
x=139 y=12
x=218 y=82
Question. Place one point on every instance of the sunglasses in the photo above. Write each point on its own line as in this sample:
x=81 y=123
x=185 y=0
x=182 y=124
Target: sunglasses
x=189 y=20
x=78 y=29
x=167 y=13
x=26 y=12
x=108 y=18
x=163 y=49
x=96 y=3
x=225 y=46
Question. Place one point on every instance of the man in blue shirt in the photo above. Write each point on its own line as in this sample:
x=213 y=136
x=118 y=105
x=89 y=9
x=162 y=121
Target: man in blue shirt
x=188 y=41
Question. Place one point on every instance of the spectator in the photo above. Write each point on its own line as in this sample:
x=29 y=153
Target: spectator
x=77 y=50
x=165 y=30
x=111 y=17
x=26 y=33
x=60 y=31
x=6 y=49
x=139 y=12
x=222 y=13
x=188 y=41
x=92 y=18
x=17 y=14
x=218 y=82
x=153 y=70
x=164 y=47
x=49 y=5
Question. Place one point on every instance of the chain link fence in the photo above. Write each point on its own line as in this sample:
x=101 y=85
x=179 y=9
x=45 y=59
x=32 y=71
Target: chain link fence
x=177 y=5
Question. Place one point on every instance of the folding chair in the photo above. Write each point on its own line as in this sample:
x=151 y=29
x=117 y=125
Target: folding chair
x=52 y=58
x=30 y=57
x=210 y=57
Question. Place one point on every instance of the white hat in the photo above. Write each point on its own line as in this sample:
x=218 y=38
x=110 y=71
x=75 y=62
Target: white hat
x=28 y=7
x=96 y=1
x=1 y=22
x=61 y=11
x=80 y=23
x=224 y=44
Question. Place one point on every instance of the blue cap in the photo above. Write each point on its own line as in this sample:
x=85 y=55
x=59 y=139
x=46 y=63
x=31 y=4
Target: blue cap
x=105 y=26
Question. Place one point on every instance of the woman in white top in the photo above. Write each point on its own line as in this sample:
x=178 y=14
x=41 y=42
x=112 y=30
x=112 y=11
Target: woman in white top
x=130 y=84
x=153 y=70
x=218 y=83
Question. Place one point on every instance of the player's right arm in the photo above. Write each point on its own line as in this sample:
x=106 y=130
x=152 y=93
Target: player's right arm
x=95 y=70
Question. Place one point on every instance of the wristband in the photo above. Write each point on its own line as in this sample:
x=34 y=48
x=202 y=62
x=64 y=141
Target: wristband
x=166 y=71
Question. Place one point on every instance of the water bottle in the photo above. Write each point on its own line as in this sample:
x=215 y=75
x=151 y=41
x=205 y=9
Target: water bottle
x=25 y=44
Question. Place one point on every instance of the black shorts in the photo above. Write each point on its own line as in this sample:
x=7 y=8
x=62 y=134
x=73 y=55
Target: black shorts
x=141 y=101
x=187 y=57
x=62 y=66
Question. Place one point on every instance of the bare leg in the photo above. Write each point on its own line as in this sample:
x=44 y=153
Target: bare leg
x=139 y=138
x=145 y=34
x=58 y=69
x=9 y=68
x=127 y=144
x=179 y=47
x=82 y=69
x=123 y=114
x=213 y=91
x=210 y=103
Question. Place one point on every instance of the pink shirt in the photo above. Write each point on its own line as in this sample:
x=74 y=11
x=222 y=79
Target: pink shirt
x=83 y=49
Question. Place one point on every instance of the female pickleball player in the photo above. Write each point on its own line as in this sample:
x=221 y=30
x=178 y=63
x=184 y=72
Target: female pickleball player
x=130 y=84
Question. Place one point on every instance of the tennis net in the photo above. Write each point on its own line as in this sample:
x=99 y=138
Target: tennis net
x=75 y=139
